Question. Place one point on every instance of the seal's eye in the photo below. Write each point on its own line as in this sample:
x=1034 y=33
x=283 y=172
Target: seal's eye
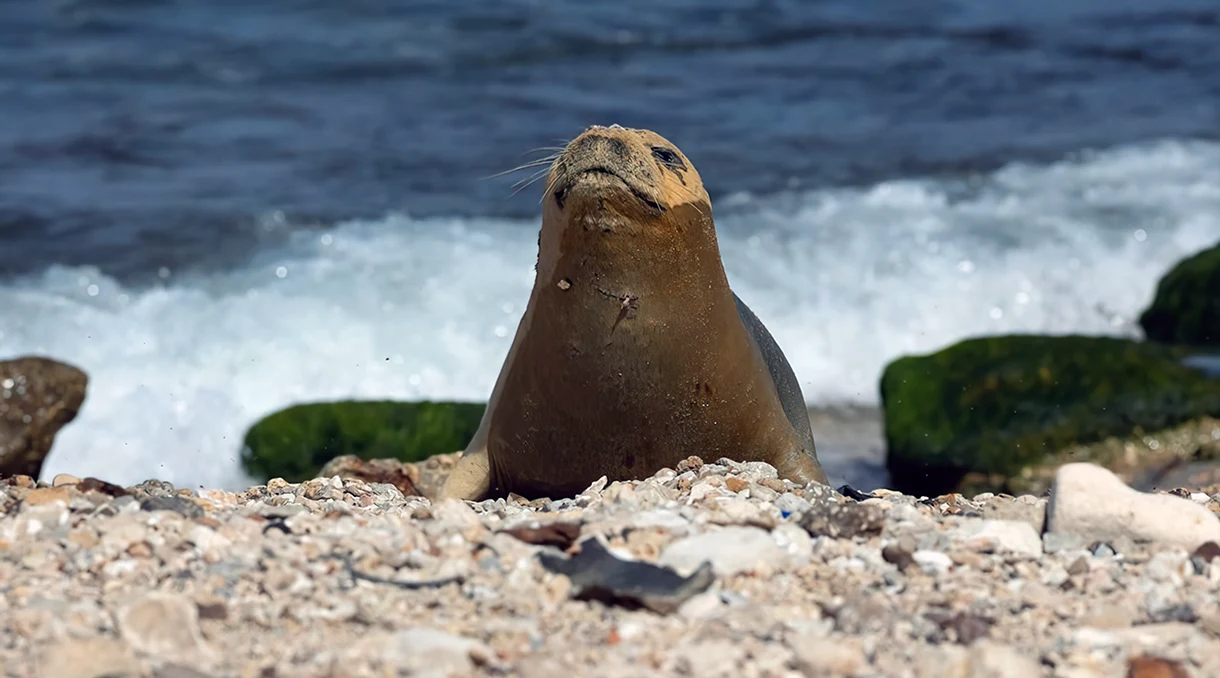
x=666 y=156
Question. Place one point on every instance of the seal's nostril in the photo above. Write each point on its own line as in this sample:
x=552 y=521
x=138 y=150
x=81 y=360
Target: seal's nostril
x=607 y=145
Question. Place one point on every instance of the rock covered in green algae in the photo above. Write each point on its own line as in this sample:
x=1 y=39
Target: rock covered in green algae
x=1186 y=308
x=997 y=405
x=297 y=442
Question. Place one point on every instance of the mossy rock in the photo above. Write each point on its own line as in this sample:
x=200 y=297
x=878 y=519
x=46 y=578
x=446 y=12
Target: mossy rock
x=1186 y=307
x=295 y=443
x=999 y=405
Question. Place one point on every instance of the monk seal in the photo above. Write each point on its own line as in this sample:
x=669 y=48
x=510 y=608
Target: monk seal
x=633 y=353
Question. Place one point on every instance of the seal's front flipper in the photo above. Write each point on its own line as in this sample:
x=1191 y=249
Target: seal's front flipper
x=800 y=467
x=470 y=479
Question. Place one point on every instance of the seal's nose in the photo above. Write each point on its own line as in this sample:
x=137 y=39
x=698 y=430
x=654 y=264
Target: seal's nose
x=596 y=144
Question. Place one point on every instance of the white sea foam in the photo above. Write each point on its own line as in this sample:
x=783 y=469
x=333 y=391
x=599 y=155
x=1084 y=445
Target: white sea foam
x=400 y=308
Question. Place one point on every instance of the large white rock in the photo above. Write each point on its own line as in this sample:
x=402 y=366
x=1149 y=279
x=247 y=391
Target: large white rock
x=1089 y=500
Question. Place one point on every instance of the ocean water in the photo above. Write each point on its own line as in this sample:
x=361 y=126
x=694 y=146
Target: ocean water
x=221 y=211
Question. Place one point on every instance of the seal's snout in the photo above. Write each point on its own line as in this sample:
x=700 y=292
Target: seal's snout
x=601 y=146
x=606 y=163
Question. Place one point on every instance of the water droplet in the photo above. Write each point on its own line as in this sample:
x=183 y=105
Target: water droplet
x=501 y=331
x=163 y=272
x=965 y=266
x=93 y=290
x=1022 y=298
x=327 y=239
x=7 y=383
x=1140 y=236
x=281 y=272
x=996 y=313
x=414 y=380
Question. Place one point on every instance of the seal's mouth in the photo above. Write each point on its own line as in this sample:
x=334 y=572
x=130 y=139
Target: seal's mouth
x=561 y=193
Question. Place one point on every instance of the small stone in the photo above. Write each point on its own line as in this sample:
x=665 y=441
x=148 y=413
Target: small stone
x=843 y=521
x=900 y=552
x=730 y=550
x=421 y=651
x=47 y=495
x=992 y=660
x=933 y=563
x=1088 y=499
x=735 y=484
x=179 y=671
x=178 y=505
x=88 y=658
x=818 y=655
x=1055 y=542
x=1207 y=551
x=64 y=480
x=1155 y=667
x=1004 y=536
x=164 y=625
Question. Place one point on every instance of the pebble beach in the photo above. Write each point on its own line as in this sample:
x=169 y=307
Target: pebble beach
x=709 y=569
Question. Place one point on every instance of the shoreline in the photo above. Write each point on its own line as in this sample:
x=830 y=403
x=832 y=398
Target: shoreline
x=743 y=575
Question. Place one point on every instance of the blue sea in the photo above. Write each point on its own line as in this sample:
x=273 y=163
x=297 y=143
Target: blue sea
x=218 y=208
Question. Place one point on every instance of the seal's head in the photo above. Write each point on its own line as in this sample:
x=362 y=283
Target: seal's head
x=616 y=176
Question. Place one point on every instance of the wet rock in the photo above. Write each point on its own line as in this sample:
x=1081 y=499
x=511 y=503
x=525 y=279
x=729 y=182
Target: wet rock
x=38 y=397
x=162 y=625
x=1087 y=499
x=729 y=550
x=597 y=574
x=843 y=521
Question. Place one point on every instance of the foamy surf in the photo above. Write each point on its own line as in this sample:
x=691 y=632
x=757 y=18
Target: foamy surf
x=846 y=279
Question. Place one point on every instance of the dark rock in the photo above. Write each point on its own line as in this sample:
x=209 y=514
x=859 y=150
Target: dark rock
x=1186 y=307
x=1207 y=551
x=1155 y=667
x=295 y=443
x=387 y=471
x=216 y=611
x=962 y=627
x=998 y=405
x=843 y=521
x=597 y=574
x=561 y=535
x=38 y=397
x=899 y=554
x=94 y=485
x=178 y=505
x=152 y=488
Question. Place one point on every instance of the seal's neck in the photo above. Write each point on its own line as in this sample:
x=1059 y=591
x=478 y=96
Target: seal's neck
x=626 y=255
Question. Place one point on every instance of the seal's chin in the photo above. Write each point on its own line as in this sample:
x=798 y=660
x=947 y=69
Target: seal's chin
x=597 y=182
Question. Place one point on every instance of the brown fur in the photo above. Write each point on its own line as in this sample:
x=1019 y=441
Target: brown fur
x=631 y=355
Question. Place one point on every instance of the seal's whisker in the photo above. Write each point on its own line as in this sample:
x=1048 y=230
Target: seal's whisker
x=526 y=183
x=533 y=163
x=533 y=177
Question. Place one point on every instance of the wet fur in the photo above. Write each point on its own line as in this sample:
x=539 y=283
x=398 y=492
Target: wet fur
x=633 y=353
